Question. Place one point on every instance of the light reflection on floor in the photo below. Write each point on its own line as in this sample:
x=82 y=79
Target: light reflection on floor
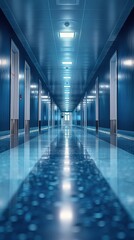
x=116 y=165
x=16 y=163
x=61 y=193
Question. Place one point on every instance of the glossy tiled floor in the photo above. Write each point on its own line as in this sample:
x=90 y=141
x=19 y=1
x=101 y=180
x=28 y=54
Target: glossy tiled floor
x=66 y=185
x=124 y=139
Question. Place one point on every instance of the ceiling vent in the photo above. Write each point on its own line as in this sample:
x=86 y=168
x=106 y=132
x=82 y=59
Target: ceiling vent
x=67 y=2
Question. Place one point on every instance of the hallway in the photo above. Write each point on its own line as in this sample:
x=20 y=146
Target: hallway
x=66 y=120
x=66 y=184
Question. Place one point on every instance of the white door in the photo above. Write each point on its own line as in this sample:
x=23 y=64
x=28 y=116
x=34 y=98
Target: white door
x=27 y=91
x=14 y=113
x=113 y=93
x=97 y=103
x=39 y=108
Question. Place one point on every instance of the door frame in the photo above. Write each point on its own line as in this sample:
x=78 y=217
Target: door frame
x=14 y=92
x=113 y=93
x=27 y=98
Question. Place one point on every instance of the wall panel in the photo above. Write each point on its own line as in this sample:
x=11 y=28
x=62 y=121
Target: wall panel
x=6 y=34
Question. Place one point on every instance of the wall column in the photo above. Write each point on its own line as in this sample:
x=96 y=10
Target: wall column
x=97 y=105
x=39 y=111
x=85 y=110
x=113 y=94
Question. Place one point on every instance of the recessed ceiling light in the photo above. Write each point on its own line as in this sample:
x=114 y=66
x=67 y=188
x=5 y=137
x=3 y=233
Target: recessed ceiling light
x=67 y=63
x=67 y=2
x=66 y=34
x=67 y=86
x=67 y=77
x=44 y=96
x=128 y=62
x=90 y=97
x=33 y=86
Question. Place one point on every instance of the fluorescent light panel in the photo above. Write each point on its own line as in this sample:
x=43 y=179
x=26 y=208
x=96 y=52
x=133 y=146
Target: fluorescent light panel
x=33 y=86
x=91 y=97
x=128 y=62
x=44 y=97
x=45 y=100
x=66 y=34
x=67 y=86
x=67 y=63
x=67 y=77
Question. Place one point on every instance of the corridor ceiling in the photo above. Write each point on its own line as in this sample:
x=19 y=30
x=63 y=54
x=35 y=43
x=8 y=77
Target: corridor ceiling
x=95 y=24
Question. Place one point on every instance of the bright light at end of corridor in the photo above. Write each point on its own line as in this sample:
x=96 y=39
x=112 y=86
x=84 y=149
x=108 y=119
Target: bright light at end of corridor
x=128 y=62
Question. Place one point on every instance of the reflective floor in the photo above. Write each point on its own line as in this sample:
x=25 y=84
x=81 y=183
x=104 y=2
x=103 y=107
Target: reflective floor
x=66 y=184
x=124 y=139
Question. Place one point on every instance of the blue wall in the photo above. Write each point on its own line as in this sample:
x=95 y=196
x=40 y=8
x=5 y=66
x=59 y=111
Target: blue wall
x=6 y=34
x=44 y=114
x=57 y=117
x=126 y=76
x=91 y=113
x=5 y=44
x=104 y=96
x=21 y=93
x=74 y=117
x=34 y=103
x=78 y=117
x=124 y=46
x=91 y=107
